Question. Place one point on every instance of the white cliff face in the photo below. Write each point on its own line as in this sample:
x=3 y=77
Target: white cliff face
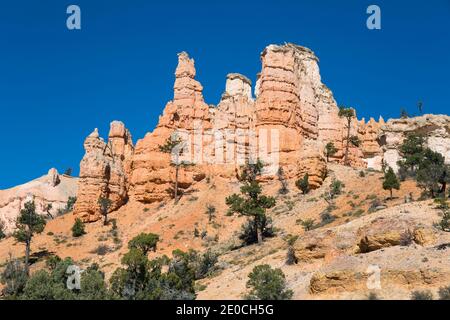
x=436 y=129
x=238 y=85
x=52 y=189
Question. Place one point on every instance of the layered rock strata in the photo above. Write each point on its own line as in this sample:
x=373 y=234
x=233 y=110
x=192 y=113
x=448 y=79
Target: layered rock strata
x=104 y=172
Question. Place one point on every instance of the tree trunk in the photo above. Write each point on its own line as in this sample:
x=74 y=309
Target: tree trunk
x=105 y=219
x=27 y=256
x=348 y=142
x=176 y=183
x=327 y=157
x=391 y=193
x=258 y=231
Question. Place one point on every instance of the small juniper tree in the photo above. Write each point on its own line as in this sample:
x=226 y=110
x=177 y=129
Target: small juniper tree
x=144 y=242
x=68 y=172
x=330 y=150
x=105 y=205
x=266 y=283
x=174 y=146
x=303 y=184
x=78 y=228
x=210 y=211
x=420 y=106
x=348 y=114
x=252 y=203
x=390 y=181
x=28 y=224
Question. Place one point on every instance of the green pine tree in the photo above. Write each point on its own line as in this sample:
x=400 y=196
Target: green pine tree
x=348 y=114
x=28 y=224
x=390 y=181
x=251 y=203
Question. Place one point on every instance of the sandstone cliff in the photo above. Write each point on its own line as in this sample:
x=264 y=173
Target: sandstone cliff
x=287 y=124
x=104 y=172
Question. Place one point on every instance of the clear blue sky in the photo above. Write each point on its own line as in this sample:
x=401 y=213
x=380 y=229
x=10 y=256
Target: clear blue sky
x=57 y=85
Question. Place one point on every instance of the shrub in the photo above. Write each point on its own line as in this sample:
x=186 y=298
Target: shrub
x=69 y=206
x=2 y=230
x=266 y=283
x=101 y=250
x=330 y=150
x=290 y=256
x=210 y=211
x=93 y=286
x=303 y=184
x=406 y=238
x=421 y=295
x=78 y=228
x=326 y=218
x=444 y=293
x=373 y=296
x=308 y=224
x=14 y=278
x=362 y=174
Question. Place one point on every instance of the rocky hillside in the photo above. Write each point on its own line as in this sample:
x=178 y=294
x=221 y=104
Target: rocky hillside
x=51 y=189
x=334 y=260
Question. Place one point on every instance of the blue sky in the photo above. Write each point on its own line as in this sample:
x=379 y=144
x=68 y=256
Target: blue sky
x=57 y=85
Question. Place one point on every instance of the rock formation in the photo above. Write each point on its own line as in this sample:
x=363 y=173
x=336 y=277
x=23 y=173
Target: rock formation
x=435 y=128
x=287 y=125
x=104 y=172
x=51 y=189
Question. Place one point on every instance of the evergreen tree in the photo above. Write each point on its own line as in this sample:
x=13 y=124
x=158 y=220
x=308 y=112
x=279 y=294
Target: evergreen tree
x=28 y=224
x=174 y=146
x=412 y=150
x=390 y=181
x=105 y=205
x=210 y=211
x=266 y=283
x=145 y=242
x=433 y=173
x=348 y=114
x=252 y=203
